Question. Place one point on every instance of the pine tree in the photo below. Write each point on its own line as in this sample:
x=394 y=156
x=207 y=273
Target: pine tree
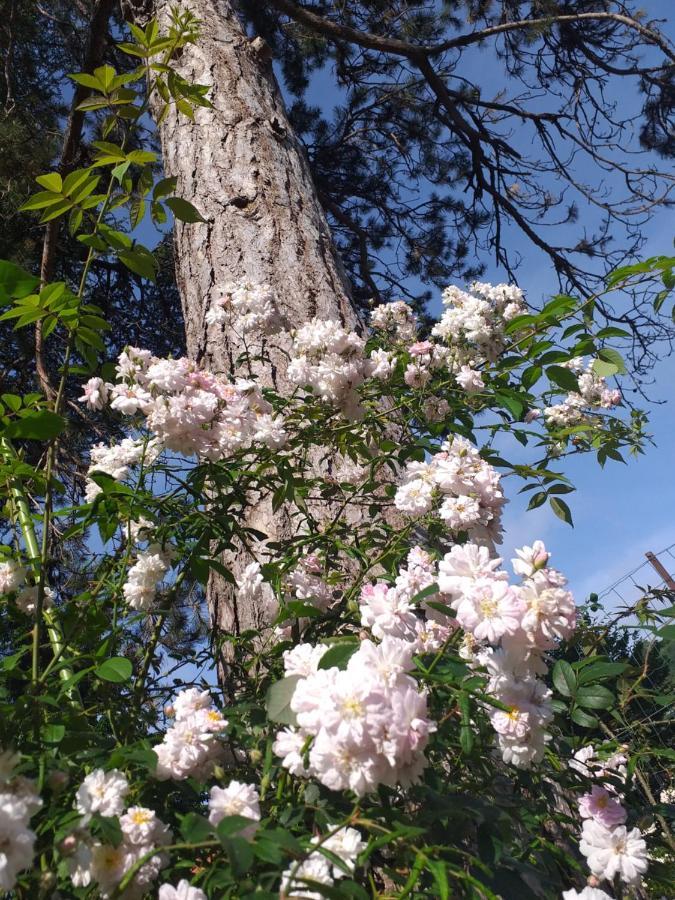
x=415 y=169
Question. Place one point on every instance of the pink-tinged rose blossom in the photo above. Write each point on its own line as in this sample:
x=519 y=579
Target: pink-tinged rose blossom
x=602 y=806
x=614 y=851
x=470 y=380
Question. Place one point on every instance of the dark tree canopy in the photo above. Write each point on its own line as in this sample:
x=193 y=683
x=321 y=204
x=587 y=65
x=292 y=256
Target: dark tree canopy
x=40 y=44
x=464 y=131
x=442 y=137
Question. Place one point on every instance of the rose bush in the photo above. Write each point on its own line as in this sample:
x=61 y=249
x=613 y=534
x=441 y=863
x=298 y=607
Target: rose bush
x=405 y=721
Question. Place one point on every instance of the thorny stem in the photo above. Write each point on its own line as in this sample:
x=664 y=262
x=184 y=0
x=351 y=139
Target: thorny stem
x=644 y=784
x=40 y=555
x=34 y=553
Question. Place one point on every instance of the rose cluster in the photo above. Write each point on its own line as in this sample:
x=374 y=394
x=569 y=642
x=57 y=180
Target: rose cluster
x=593 y=393
x=190 y=748
x=473 y=322
x=331 y=361
x=236 y=799
x=610 y=848
x=344 y=843
x=90 y=860
x=390 y=610
x=13 y=581
x=151 y=565
x=361 y=726
x=117 y=460
x=396 y=320
x=189 y=411
x=18 y=802
x=462 y=486
x=305 y=583
x=246 y=307
x=510 y=629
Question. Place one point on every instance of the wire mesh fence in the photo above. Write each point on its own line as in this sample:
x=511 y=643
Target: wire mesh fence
x=630 y=620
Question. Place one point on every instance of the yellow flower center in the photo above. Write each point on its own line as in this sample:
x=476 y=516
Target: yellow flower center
x=141 y=816
x=352 y=708
x=488 y=606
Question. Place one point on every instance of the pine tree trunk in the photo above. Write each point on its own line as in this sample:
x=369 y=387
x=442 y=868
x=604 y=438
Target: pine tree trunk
x=243 y=168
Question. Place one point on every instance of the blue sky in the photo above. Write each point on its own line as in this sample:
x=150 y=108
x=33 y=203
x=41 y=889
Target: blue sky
x=620 y=512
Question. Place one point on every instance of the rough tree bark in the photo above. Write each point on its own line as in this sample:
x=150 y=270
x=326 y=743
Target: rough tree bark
x=243 y=168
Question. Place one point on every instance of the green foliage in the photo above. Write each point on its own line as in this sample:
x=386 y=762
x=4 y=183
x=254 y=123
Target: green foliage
x=87 y=682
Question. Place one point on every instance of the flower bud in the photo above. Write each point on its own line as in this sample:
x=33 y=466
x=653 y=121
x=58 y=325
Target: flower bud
x=68 y=845
x=255 y=756
x=57 y=781
x=47 y=881
x=540 y=559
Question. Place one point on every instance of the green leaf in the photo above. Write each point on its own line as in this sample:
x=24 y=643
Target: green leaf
x=561 y=489
x=140 y=261
x=131 y=49
x=599 y=670
x=583 y=719
x=531 y=376
x=595 y=696
x=86 y=80
x=278 y=701
x=438 y=870
x=107 y=828
x=609 y=362
x=184 y=210
x=41 y=200
x=561 y=509
x=560 y=304
x=14 y=281
x=137 y=210
x=537 y=500
x=509 y=401
x=240 y=854
x=74 y=221
x=667 y=633
x=13 y=401
x=297 y=609
x=106 y=76
x=117 y=669
x=51 y=181
x=232 y=825
x=53 y=734
x=164 y=187
x=159 y=215
x=109 y=149
x=56 y=210
x=428 y=591
x=564 y=378
x=120 y=171
x=339 y=655
x=195 y=828
x=465 y=730
x=50 y=293
x=41 y=425
x=140 y=157
x=564 y=678
x=75 y=180
x=613 y=332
